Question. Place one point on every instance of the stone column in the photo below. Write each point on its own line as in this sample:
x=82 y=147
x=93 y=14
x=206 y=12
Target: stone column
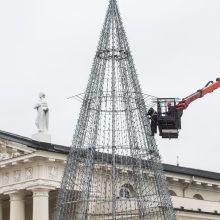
x=17 y=206
x=40 y=204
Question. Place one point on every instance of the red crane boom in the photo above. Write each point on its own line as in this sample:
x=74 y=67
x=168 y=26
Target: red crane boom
x=168 y=114
x=209 y=87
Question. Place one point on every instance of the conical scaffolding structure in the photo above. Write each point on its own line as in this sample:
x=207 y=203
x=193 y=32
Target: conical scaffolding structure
x=113 y=169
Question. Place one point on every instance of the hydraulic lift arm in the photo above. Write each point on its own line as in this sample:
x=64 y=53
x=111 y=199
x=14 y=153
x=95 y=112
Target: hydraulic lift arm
x=209 y=87
x=169 y=113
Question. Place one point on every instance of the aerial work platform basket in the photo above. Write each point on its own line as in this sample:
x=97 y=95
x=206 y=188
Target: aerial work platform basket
x=168 y=118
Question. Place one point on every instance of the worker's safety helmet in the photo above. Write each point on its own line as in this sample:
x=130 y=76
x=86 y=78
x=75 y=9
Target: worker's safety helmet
x=150 y=111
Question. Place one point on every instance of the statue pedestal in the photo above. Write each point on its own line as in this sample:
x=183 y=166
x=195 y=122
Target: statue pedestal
x=42 y=137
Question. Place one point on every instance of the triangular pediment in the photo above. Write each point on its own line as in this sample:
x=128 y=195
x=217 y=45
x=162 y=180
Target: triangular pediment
x=10 y=149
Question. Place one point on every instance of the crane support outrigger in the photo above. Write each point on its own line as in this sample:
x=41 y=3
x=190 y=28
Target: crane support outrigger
x=169 y=112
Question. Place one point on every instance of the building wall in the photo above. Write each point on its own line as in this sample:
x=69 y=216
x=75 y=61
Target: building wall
x=42 y=171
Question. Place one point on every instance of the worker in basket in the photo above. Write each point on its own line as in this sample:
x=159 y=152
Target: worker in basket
x=171 y=110
x=152 y=114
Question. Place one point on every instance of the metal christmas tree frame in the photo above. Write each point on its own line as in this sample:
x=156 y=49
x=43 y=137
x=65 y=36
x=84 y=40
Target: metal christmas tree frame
x=113 y=169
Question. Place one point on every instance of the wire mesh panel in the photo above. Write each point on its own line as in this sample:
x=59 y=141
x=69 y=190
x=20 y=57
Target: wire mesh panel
x=113 y=169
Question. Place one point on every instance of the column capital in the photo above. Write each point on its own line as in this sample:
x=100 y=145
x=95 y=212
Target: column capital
x=41 y=191
x=15 y=195
x=41 y=188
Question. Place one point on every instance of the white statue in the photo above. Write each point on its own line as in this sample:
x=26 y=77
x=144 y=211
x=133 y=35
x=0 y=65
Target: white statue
x=42 y=120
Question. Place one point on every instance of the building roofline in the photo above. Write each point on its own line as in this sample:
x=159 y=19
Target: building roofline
x=197 y=211
x=33 y=143
x=191 y=171
x=65 y=150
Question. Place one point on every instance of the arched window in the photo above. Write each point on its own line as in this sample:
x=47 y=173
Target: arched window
x=198 y=196
x=172 y=193
x=126 y=191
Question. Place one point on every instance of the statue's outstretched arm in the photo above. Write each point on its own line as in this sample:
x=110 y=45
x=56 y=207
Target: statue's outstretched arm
x=37 y=106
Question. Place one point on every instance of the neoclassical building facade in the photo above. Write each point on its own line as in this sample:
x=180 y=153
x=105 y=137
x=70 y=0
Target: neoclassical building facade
x=31 y=171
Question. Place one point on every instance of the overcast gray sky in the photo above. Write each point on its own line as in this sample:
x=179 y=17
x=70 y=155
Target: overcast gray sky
x=49 y=45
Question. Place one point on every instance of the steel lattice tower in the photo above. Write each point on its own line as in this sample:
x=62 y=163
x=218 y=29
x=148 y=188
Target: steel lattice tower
x=113 y=170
